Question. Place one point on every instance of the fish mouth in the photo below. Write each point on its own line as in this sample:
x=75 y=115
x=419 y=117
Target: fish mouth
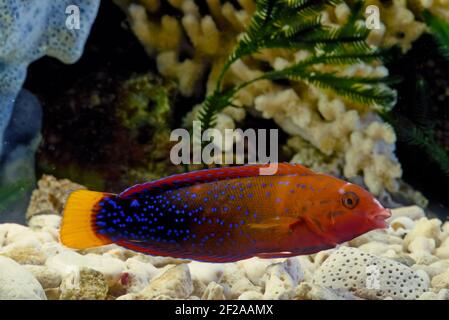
x=380 y=218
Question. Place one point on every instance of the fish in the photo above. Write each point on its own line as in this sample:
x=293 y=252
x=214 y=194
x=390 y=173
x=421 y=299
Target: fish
x=225 y=214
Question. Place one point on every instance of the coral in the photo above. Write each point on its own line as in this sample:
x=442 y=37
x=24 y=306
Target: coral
x=400 y=26
x=424 y=227
x=368 y=276
x=32 y=30
x=363 y=144
x=437 y=7
x=302 y=151
x=411 y=212
x=352 y=137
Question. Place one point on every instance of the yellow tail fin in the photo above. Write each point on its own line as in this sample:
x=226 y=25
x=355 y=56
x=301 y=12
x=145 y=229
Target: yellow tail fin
x=78 y=228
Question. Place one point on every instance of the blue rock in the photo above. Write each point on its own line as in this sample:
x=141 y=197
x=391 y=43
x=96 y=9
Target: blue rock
x=30 y=30
x=21 y=140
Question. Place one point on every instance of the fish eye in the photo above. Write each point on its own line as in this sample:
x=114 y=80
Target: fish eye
x=349 y=200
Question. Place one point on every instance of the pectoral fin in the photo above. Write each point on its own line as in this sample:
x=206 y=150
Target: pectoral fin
x=280 y=222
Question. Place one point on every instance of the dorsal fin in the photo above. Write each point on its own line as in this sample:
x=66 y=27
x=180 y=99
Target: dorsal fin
x=210 y=175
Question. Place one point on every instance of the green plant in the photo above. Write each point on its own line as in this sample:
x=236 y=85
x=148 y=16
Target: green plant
x=10 y=192
x=297 y=24
x=418 y=128
x=440 y=31
x=420 y=131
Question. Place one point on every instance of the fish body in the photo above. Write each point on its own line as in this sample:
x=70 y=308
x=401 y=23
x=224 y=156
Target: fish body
x=225 y=214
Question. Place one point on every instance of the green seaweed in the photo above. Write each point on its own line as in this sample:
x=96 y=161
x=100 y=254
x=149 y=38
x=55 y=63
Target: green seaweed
x=10 y=192
x=420 y=132
x=419 y=129
x=439 y=29
x=296 y=24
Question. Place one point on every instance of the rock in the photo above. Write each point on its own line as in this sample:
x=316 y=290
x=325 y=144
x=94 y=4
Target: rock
x=307 y=291
x=412 y=212
x=53 y=294
x=26 y=251
x=68 y=261
x=138 y=274
x=442 y=252
x=368 y=276
x=17 y=162
x=422 y=244
x=321 y=256
x=424 y=228
x=279 y=285
x=47 y=277
x=17 y=283
x=379 y=248
x=422 y=250
x=160 y=262
x=213 y=291
x=255 y=268
x=428 y=296
x=433 y=269
x=441 y=281
x=375 y=236
x=84 y=284
x=235 y=282
x=50 y=195
x=423 y=258
x=307 y=267
x=44 y=221
x=175 y=283
x=403 y=259
x=206 y=272
x=11 y=232
x=443 y=294
x=294 y=268
x=198 y=287
x=444 y=231
x=250 y=295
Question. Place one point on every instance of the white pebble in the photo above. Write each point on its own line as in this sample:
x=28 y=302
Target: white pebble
x=17 y=283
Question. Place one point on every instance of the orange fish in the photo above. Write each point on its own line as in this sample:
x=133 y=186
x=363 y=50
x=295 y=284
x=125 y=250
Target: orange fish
x=225 y=214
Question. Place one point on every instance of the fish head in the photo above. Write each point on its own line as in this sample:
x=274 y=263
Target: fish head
x=353 y=212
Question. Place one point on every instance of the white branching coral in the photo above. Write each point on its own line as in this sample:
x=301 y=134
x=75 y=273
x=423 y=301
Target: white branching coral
x=354 y=140
x=363 y=143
